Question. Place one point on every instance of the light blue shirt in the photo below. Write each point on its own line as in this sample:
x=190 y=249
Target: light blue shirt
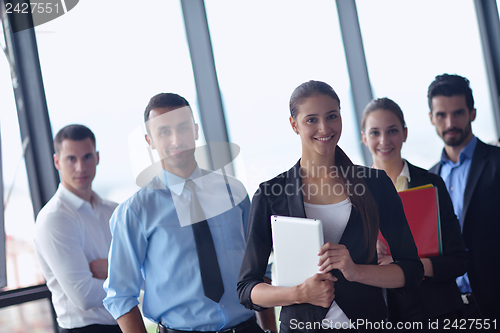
x=455 y=177
x=152 y=239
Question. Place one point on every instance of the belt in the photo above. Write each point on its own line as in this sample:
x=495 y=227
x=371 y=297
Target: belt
x=240 y=328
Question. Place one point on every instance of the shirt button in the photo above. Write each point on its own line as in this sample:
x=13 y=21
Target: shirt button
x=451 y=188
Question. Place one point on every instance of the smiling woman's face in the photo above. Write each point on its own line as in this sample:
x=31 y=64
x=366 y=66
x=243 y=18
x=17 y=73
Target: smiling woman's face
x=384 y=136
x=319 y=124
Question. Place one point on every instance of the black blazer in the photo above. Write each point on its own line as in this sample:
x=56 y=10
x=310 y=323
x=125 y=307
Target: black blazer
x=438 y=295
x=481 y=227
x=283 y=196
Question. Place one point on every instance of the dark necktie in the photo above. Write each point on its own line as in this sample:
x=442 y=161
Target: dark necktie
x=209 y=266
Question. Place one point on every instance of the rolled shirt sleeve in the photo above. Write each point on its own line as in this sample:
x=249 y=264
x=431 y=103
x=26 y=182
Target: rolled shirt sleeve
x=126 y=257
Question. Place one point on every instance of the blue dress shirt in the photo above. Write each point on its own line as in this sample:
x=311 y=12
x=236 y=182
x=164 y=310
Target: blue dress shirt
x=153 y=240
x=455 y=177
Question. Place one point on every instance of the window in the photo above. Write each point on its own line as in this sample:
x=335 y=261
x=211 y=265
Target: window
x=101 y=67
x=28 y=317
x=103 y=74
x=21 y=263
x=263 y=50
x=408 y=43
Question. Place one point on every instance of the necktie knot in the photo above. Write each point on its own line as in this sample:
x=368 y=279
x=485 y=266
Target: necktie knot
x=190 y=185
x=197 y=213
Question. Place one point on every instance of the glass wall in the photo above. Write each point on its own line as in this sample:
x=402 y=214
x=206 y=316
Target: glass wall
x=32 y=317
x=21 y=264
x=263 y=50
x=103 y=74
x=408 y=43
x=22 y=267
x=100 y=67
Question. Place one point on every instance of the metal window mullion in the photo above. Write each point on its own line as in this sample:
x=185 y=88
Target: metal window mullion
x=489 y=29
x=356 y=64
x=34 y=124
x=32 y=111
x=207 y=84
x=3 y=261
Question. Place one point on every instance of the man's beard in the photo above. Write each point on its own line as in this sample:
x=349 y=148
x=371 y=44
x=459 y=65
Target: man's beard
x=457 y=141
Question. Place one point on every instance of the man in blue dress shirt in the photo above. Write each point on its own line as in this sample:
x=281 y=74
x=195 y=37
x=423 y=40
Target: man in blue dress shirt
x=154 y=237
x=471 y=172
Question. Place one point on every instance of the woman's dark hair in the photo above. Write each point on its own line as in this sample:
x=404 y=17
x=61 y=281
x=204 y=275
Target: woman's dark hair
x=385 y=104
x=365 y=204
x=308 y=89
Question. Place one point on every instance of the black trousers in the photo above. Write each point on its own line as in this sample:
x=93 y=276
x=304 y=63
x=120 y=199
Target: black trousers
x=96 y=328
x=470 y=310
x=253 y=327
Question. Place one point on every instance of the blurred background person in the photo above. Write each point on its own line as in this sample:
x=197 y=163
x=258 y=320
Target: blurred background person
x=384 y=131
x=471 y=171
x=72 y=237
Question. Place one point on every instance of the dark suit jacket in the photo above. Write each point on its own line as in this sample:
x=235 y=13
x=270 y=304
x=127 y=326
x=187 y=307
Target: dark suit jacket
x=283 y=196
x=438 y=295
x=481 y=227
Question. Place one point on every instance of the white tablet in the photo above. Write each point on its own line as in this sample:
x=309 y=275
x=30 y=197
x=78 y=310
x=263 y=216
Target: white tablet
x=296 y=243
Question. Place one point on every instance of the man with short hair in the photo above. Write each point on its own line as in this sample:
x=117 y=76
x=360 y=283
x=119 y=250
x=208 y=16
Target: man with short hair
x=471 y=170
x=72 y=236
x=184 y=233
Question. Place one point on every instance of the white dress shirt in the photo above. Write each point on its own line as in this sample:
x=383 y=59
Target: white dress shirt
x=334 y=218
x=69 y=234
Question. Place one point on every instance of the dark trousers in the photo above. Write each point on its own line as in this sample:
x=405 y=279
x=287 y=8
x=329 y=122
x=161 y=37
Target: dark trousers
x=470 y=310
x=253 y=327
x=96 y=328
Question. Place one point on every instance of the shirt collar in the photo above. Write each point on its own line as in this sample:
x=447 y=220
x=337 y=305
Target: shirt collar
x=176 y=183
x=405 y=172
x=75 y=201
x=403 y=178
x=467 y=152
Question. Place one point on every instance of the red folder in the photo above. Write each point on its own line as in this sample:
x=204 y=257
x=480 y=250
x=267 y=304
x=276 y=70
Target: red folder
x=421 y=208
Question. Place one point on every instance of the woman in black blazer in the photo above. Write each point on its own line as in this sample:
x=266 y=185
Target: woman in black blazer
x=353 y=203
x=438 y=297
